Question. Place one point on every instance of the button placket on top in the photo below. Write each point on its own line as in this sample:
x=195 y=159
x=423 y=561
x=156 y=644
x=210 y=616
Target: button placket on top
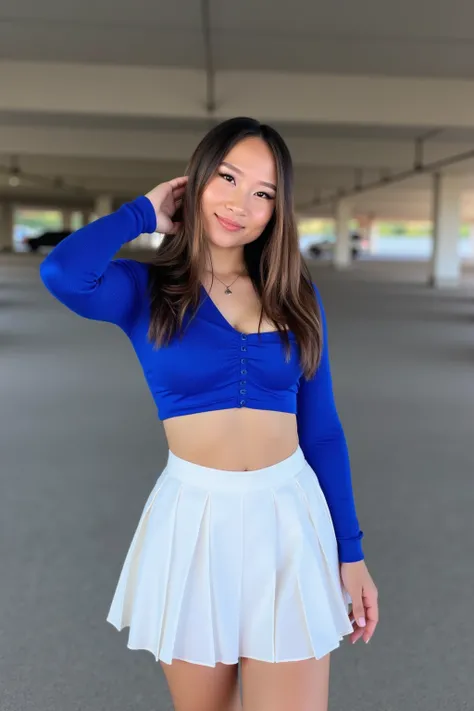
x=243 y=369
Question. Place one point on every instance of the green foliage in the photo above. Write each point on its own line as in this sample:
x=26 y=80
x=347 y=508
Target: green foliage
x=412 y=228
x=322 y=227
x=43 y=220
x=39 y=219
x=315 y=227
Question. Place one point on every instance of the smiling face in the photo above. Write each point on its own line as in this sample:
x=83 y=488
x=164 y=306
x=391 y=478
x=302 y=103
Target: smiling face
x=239 y=200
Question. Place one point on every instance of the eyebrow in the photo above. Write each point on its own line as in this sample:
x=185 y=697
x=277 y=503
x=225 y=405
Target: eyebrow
x=237 y=170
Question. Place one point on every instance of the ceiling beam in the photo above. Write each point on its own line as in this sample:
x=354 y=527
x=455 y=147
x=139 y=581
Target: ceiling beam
x=388 y=179
x=172 y=92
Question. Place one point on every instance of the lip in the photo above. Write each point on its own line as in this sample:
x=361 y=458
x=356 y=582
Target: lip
x=229 y=225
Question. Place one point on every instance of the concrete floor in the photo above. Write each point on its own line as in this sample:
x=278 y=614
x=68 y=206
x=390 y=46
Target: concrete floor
x=81 y=448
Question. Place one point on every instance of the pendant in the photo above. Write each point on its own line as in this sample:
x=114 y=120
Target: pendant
x=227 y=291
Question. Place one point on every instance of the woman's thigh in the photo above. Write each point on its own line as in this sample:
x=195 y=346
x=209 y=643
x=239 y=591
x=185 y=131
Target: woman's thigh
x=285 y=686
x=194 y=687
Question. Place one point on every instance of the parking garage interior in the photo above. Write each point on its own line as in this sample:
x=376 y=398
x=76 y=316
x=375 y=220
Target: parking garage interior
x=99 y=103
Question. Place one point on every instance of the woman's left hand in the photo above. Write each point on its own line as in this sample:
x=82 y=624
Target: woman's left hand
x=361 y=588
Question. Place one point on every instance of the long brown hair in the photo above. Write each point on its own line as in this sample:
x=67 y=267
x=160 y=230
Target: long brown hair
x=273 y=261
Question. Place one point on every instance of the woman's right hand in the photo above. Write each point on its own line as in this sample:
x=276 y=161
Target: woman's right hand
x=166 y=198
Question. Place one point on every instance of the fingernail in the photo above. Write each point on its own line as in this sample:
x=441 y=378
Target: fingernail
x=361 y=622
x=367 y=640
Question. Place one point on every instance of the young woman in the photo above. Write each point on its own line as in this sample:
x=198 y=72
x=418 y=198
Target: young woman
x=248 y=549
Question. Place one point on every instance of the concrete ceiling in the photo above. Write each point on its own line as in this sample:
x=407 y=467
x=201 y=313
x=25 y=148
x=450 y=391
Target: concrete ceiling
x=406 y=38
x=350 y=43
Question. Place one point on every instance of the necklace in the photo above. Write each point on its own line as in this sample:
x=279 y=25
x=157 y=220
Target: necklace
x=227 y=286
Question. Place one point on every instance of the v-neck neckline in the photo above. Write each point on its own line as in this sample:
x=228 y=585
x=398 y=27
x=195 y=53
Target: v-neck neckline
x=226 y=322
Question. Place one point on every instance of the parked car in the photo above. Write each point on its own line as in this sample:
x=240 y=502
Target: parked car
x=20 y=235
x=324 y=247
x=45 y=239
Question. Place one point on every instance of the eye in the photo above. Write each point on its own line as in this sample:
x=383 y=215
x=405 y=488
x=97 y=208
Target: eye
x=266 y=196
x=227 y=177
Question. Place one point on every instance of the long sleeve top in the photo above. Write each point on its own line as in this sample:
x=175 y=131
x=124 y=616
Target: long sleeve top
x=214 y=366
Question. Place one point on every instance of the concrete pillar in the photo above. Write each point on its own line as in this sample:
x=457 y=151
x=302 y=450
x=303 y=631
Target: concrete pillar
x=445 y=262
x=471 y=241
x=103 y=205
x=6 y=227
x=342 y=258
x=88 y=216
x=366 y=230
x=67 y=215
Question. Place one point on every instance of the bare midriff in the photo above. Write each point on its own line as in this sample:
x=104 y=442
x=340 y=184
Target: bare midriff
x=240 y=439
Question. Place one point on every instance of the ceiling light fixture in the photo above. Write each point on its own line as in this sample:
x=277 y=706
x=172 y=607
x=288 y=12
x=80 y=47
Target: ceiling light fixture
x=14 y=179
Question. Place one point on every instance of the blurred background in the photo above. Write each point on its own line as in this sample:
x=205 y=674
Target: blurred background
x=100 y=101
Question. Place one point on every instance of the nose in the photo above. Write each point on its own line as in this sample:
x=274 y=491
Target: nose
x=236 y=206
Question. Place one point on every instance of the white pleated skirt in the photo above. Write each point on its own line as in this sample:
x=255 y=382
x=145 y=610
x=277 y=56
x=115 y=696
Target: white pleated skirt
x=228 y=564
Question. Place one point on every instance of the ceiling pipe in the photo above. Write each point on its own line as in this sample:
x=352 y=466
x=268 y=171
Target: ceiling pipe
x=208 y=57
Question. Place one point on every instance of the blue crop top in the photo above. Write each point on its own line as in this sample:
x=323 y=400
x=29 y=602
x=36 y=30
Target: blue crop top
x=214 y=366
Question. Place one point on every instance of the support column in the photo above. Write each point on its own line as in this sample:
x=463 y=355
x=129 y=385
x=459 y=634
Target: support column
x=366 y=224
x=471 y=241
x=67 y=214
x=445 y=263
x=342 y=250
x=84 y=217
x=103 y=205
x=6 y=227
